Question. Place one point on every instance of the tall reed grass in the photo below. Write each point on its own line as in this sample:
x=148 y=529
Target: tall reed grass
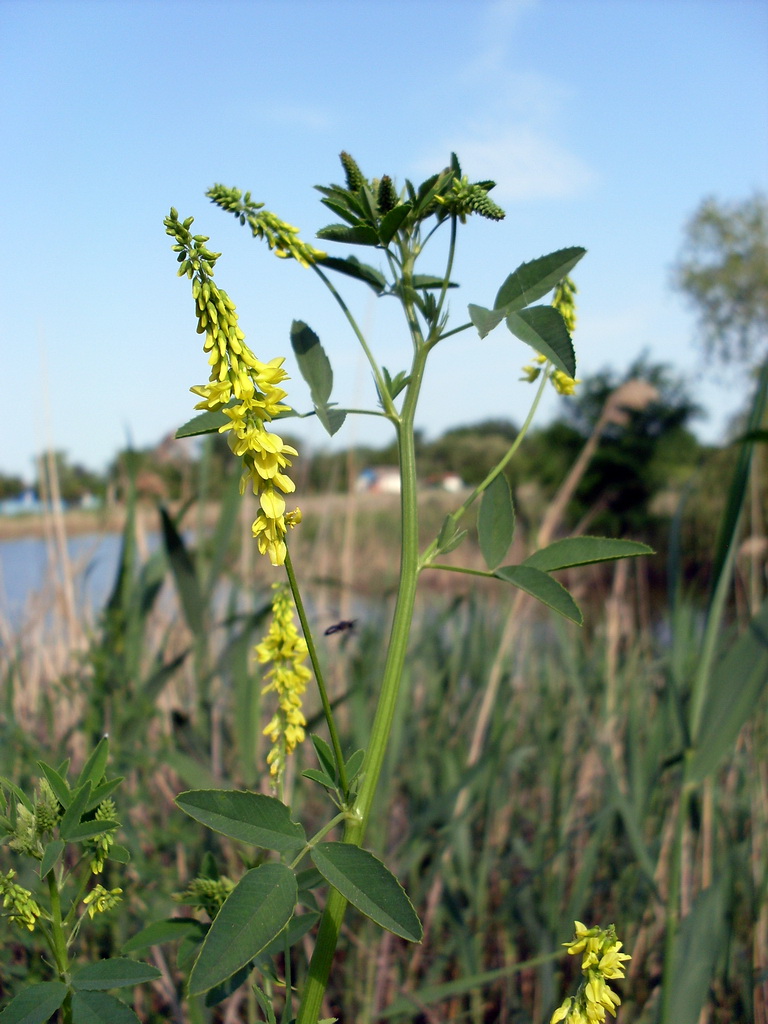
x=539 y=774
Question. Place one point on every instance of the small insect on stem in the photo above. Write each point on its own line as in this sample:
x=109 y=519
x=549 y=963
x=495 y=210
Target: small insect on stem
x=340 y=627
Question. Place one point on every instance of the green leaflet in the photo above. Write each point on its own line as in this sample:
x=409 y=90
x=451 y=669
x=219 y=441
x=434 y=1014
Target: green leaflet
x=253 y=915
x=250 y=817
x=563 y=554
x=315 y=368
x=543 y=328
x=205 y=423
x=369 y=886
x=496 y=521
x=534 y=279
x=117 y=972
x=170 y=930
x=541 y=586
x=100 y=1008
x=35 y=1005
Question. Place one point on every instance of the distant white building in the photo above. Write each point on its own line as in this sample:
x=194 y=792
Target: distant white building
x=26 y=502
x=379 y=480
x=451 y=482
x=386 y=480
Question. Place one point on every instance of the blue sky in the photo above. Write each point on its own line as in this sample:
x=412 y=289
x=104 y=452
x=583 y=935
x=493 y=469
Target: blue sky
x=604 y=122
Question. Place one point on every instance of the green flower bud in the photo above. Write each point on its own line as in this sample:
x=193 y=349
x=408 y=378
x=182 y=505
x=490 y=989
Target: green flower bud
x=480 y=203
x=355 y=179
x=387 y=197
x=206 y=893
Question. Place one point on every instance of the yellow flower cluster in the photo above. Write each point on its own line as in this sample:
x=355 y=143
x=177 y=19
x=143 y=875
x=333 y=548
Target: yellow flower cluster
x=99 y=899
x=288 y=677
x=602 y=962
x=564 y=301
x=237 y=375
x=562 y=383
x=19 y=906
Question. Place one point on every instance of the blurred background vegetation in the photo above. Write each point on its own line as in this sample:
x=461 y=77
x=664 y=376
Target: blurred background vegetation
x=536 y=770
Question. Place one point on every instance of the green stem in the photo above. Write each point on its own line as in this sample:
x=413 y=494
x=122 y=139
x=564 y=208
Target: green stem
x=672 y=924
x=433 y=340
x=386 y=401
x=312 y=651
x=455 y=330
x=330 y=925
x=460 y=568
x=59 y=942
x=317 y=837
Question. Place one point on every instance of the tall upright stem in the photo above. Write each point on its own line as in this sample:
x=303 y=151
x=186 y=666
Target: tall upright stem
x=330 y=925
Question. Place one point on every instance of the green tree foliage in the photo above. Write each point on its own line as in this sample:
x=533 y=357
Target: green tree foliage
x=469 y=451
x=75 y=482
x=723 y=271
x=645 y=450
x=11 y=486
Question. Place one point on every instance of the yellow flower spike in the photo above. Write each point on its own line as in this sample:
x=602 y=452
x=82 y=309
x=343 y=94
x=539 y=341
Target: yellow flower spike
x=236 y=372
x=611 y=963
x=214 y=394
x=286 y=650
x=565 y=302
x=602 y=961
x=561 y=1013
x=272 y=503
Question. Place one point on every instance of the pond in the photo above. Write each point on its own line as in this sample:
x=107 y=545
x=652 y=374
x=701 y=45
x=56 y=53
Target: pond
x=26 y=571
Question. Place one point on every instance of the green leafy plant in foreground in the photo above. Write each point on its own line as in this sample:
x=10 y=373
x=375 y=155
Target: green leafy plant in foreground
x=67 y=831
x=258 y=917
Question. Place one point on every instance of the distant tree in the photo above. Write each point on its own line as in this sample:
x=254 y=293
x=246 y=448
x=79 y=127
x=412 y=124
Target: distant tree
x=74 y=480
x=645 y=446
x=723 y=271
x=11 y=486
x=469 y=451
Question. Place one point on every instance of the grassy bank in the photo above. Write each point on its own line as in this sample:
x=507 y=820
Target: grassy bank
x=534 y=778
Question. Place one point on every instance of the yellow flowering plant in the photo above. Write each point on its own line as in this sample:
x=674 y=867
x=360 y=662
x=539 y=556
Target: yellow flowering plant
x=66 y=832
x=241 y=398
x=602 y=961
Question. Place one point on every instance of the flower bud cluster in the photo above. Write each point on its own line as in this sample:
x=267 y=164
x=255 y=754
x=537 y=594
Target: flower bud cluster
x=206 y=893
x=18 y=905
x=99 y=900
x=106 y=811
x=355 y=177
x=31 y=825
x=564 y=301
x=288 y=677
x=602 y=962
x=282 y=238
x=236 y=374
x=386 y=196
x=466 y=198
x=561 y=382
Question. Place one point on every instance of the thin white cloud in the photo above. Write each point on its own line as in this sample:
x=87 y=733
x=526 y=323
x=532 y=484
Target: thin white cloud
x=314 y=119
x=525 y=163
x=500 y=21
x=517 y=142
